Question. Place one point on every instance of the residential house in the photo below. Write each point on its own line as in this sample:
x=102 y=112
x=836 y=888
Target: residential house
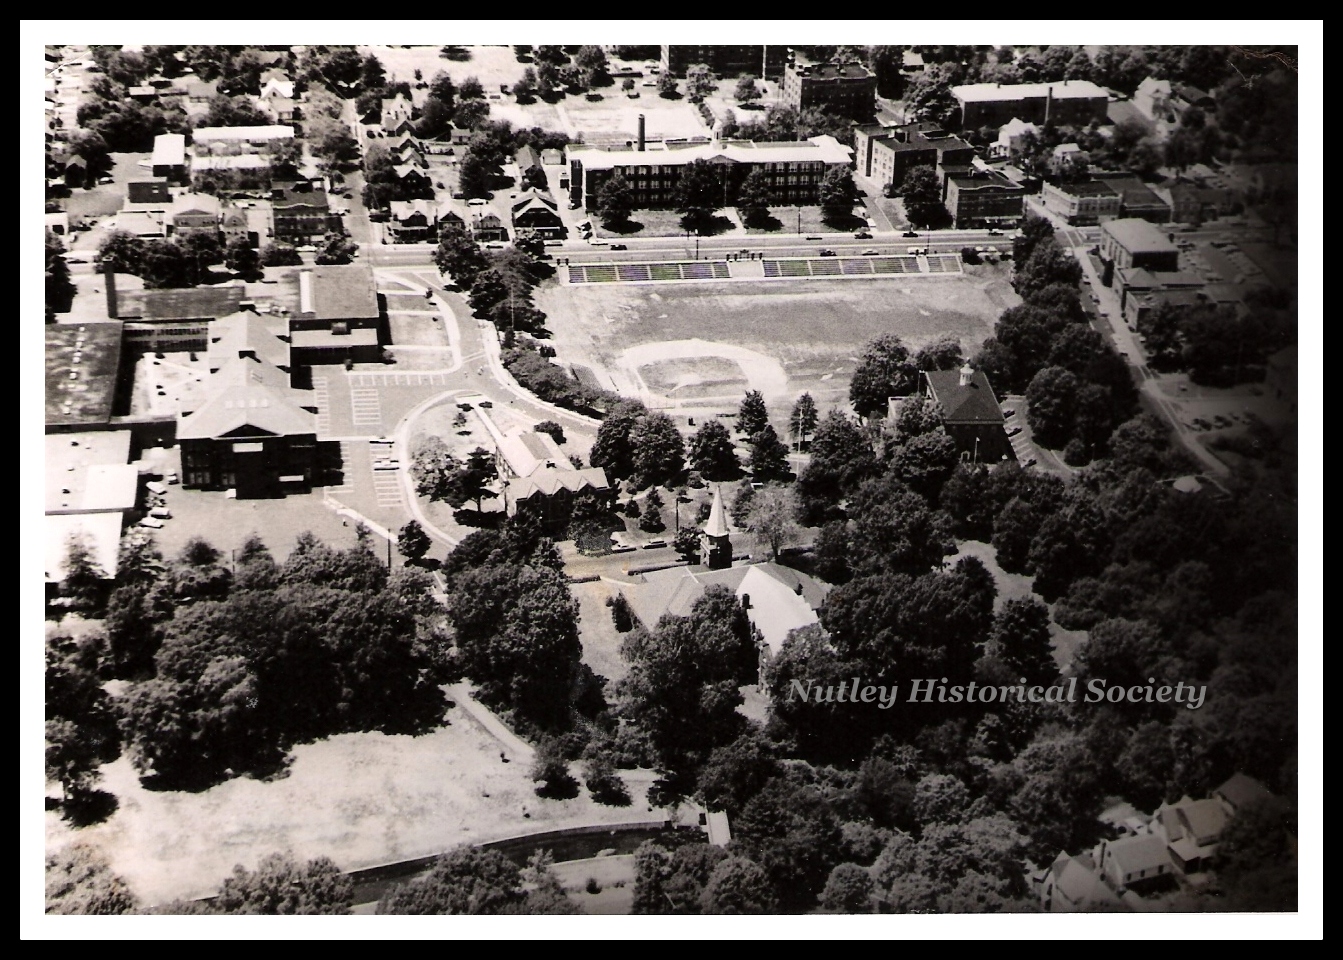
x=983 y=200
x=1137 y=863
x=552 y=157
x=414 y=181
x=1062 y=103
x=1185 y=95
x=794 y=169
x=395 y=113
x=1153 y=99
x=1073 y=884
x=971 y=415
x=224 y=141
x=912 y=64
x=527 y=158
x=142 y=94
x=487 y=227
x=302 y=212
x=407 y=150
x=339 y=316
x=169 y=157
x=844 y=89
x=539 y=213
x=1011 y=138
x=283 y=110
x=1190 y=829
x=1240 y=791
x=413 y=221
x=1082 y=204
x=1131 y=242
x=537 y=478
x=252 y=220
x=195 y=214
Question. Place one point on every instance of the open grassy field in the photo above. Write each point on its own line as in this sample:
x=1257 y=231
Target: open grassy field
x=783 y=337
x=361 y=799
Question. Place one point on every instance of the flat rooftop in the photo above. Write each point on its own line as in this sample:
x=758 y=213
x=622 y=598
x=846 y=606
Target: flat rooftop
x=82 y=365
x=820 y=149
x=188 y=303
x=1062 y=90
x=1138 y=236
x=338 y=293
x=89 y=472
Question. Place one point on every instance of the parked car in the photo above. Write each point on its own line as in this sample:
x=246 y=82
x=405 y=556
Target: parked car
x=153 y=486
x=862 y=235
x=1014 y=431
x=909 y=233
x=814 y=236
x=826 y=252
x=386 y=463
x=106 y=179
x=171 y=477
x=599 y=241
x=153 y=523
x=655 y=544
x=618 y=246
x=162 y=513
x=869 y=252
x=494 y=245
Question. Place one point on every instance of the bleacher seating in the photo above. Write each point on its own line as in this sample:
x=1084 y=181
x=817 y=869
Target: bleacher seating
x=632 y=271
x=664 y=271
x=856 y=268
x=824 y=268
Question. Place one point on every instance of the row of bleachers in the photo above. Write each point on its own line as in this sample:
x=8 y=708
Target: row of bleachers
x=720 y=271
x=697 y=271
x=944 y=263
x=896 y=265
x=633 y=271
x=664 y=271
x=824 y=268
x=856 y=268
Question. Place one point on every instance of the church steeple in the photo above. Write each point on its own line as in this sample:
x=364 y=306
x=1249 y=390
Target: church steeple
x=717 y=545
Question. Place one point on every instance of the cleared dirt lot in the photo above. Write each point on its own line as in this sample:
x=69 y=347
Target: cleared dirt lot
x=814 y=330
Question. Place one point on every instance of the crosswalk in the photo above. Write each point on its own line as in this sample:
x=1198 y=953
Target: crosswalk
x=366 y=381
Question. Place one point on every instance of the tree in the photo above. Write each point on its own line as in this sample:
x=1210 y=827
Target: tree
x=923 y=196
x=658 y=450
x=476 y=475
x=79 y=881
x=413 y=542
x=242 y=258
x=551 y=771
x=651 y=520
x=753 y=199
x=895 y=530
x=434 y=469
x=280 y=255
x=602 y=781
x=885 y=371
x=698 y=193
x=612 y=449
x=460 y=257
x=1049 y=263
x=836 y=193
x=930 y=98
x=942 y=354
x=615 y=201
x=227 y=111
x=667 y=86
x=712 y=455
x=525 y=89
x=770 y=520
x=738 y=887
x=82 y=586
x=769 y=457
x=60 y=289
x=465 y=881
x=337 y=249
x=802 y=420
x=841 y=459
x=752 y=416
x=125 y=250
x=925 y=462
x=281 y=886
x=1051 y=400
x=698 y=82
x=1021 y=639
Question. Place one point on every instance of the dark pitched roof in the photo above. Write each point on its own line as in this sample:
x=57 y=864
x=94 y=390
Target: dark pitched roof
x=971 y=403
x=527 y=157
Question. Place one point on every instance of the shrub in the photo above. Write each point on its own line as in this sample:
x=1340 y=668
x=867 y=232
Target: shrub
x=621 y=614
x=604 y=783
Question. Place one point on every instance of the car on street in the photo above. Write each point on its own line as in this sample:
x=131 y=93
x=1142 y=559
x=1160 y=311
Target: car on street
x=599 y=241
x=1029 y=462
x=826 y=252
x=69 y=259
x=862 y=235
x=494 y=245
x=869 y=252
x=995 y=233
x=485 y=404
x=909 y=233
x=655 y=544
x=106 y=180
x=618 y=246
x=814 y=236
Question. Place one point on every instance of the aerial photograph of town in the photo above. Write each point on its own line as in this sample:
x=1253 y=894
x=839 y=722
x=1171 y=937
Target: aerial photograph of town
x=672 y=481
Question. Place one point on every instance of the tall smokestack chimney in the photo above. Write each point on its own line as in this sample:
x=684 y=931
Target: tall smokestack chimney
x=1049 y=103
x=641 y=133
x=110 y=281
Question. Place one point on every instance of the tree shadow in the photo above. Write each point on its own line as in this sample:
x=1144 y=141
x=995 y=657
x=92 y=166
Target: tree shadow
x=86 y=809
x=480 y=519
x=843 y=221
x=768 y=223
x=558 y=788
x=456 y=54
x=624 y=228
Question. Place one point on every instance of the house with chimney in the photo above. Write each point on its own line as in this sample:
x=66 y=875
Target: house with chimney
x=539 y=213
x=487 y=227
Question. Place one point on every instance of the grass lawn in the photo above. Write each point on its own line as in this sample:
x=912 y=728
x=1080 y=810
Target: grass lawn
x=664 y=223
x=601 y=642
x=361 y=799
x=812 y=221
